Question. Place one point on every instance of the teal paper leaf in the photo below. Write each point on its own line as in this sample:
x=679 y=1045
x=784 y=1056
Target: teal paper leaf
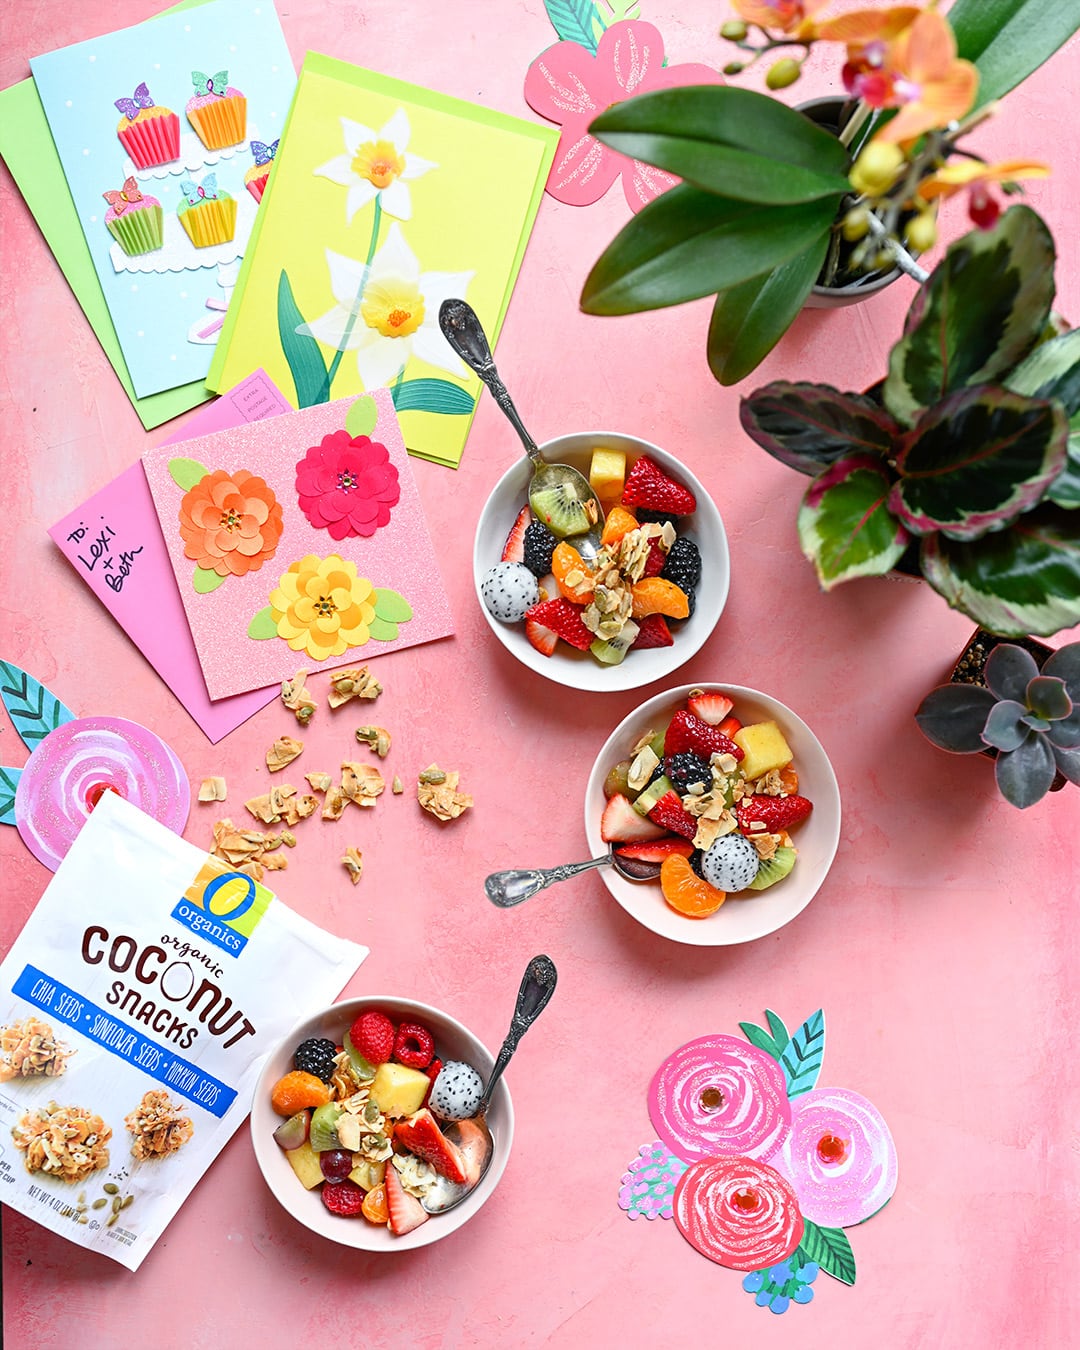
x=301 y=350
x=830 y=1249
x=572 y=20
x=391 y=607
x=382 y=630
x=205 y=580
x=759 y=1037
x=362 y=415
x=801 y=1057
x=437 y=396
x=262 y=625
x=185 y=473
x=9 y=781
x=34 y=711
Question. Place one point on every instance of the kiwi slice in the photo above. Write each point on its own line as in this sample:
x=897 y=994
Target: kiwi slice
x=323 y=1133
x=650 y=795
x=611 y=652
x=560 y=509
x=776 y=868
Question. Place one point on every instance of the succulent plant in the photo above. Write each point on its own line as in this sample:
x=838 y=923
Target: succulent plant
x=1030 y=717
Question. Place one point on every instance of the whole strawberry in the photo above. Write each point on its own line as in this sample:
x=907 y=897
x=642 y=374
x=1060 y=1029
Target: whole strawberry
x=771 y=814
x=372 y=1035
x=687 y=732
x=649 y=486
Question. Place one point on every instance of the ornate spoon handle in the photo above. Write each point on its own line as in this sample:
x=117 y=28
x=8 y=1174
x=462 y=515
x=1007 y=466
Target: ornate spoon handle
x=507 y=889
x=463 y=331
x=537 y=987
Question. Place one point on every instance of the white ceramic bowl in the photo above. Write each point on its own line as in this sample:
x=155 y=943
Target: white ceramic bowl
x=816 y=838
x=580 y=670
x=452 y=1041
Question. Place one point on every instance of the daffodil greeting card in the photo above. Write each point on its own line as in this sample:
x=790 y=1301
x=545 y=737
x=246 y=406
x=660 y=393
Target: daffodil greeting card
x=166 y=134
x=298 y=542
x=386 y=200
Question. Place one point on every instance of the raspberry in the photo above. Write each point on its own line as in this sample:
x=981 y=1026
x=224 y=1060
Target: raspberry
x=413 y=1045
x=316 y=1056
x=345 y=1199
x=372 y=1034
x=538 y=547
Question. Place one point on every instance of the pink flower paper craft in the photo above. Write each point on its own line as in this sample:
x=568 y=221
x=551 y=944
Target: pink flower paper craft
x=346 y=485
x=569 y=86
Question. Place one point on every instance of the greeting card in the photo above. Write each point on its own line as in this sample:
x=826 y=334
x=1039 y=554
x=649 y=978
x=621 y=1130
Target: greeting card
x=298 y=542
x=386 y=200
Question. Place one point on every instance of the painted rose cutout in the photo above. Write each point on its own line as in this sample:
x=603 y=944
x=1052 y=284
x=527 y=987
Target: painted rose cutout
x=346 y=485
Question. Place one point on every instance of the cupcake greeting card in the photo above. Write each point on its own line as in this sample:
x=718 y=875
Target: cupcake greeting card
x=166 y=133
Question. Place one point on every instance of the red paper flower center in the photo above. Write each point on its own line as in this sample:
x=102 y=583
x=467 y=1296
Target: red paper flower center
x=711 y=1099
x=746 y=1200
x=832 y=1149
x=96 y=791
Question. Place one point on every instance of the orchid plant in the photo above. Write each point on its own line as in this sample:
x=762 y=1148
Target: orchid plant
x=771 y=205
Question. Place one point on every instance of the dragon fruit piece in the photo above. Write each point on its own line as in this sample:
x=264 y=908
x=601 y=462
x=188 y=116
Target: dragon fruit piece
x=457 y=1091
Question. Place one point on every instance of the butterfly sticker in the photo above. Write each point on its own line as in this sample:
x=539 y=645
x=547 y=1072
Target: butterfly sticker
x=131 y=107
x=197 y=192
x=210 y=84
x=127 y=196
x=264 y=153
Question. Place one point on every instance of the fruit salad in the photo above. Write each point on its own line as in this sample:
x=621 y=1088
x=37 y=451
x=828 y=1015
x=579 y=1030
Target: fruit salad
x=706 y=805
x=643 y=579
x=366 y=1120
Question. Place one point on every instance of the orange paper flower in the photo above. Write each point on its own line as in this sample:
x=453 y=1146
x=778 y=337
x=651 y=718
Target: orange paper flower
x=230 y=522
x=322 y=607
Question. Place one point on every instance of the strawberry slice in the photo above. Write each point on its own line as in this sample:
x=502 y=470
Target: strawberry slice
x=514 y=548
x=564 y=619
x=421 y=1135
x=656 y=851
x=406 y=1212
x=649 y=486
x=620 y=823
x=687 y=732
x=710 y=707
x=670 y=813
x=771 y=814
x=652 y=632
x=654 y=563
x=543 y=639
x=730 y=725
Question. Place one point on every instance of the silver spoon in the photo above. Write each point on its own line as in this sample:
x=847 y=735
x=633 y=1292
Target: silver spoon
x=473 y=1135
x=506 y=889
x=580 y=515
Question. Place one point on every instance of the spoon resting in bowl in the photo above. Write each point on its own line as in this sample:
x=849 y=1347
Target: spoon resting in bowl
x=507 y=889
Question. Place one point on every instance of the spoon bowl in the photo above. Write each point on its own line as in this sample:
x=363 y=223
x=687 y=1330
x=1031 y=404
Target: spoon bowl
x=507 y=889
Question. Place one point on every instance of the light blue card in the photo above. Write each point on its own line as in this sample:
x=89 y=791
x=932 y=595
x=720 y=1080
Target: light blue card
x=167 y=302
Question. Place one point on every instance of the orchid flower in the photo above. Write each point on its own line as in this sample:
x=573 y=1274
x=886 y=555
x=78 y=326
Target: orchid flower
x=975 y=177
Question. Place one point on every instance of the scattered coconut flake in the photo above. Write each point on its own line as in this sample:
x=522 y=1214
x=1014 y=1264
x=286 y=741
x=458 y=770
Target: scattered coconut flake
x=319 y=781
x=282 y=752
x=397 y=786
x=356 y=682
x=354 y=863
x=212 y=790
x=334 y=804
x=361 y=783
x=297 y=698
x=378 y=738
x=436 y=791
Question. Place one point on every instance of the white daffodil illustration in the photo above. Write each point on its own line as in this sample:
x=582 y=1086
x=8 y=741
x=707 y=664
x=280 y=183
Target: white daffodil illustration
x=376 y=164
x=389 y=312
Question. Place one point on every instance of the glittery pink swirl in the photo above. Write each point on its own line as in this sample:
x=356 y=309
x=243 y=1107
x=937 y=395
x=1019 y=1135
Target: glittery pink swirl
x=839 y=1156
x=719 y=1095
x=738 y=1212
x=66 y=775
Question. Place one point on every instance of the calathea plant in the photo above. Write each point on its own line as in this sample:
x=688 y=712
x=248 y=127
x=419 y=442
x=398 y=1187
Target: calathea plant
x=965 y=460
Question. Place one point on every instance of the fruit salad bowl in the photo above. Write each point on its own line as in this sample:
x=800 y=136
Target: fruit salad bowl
x=499 y=542
x=452 y=1041
x=702 y=723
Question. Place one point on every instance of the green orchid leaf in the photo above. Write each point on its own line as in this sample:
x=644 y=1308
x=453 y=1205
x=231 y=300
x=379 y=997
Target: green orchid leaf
x=1019 y=581
x=953 y=715
x=748 y=320
x=845 y=527
x=392 y=607
x=437 y=396
x=1008 y=39
x=301 y=350
x=9 y=782
x=830 y=1249
x=205 y=580
x=689 y=243
x=985 y=306
x=262 y=625
x=810 y=426
x=382 y=630
x=362 y=415
x=33 y=709
x=976 y=461
x=185 y=473
x=802 y=1056
x=729 y=141
x=572 y=20
x=759 y=1037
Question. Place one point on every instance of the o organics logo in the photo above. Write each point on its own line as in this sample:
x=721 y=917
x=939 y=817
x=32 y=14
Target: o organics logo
x=222 y=907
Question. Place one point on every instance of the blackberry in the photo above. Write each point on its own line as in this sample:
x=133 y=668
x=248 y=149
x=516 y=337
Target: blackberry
x=695 y=863
x=539 y=545
x=646 y=516
x=316 y=1056
x=658 y=772
x=686 y=768
x=683 y=566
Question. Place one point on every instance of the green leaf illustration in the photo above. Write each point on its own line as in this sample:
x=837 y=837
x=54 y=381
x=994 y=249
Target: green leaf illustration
x=438 y=396
x=776 y=1026
x=9 y=781
x=262 y=625
x=33 y=710
x=572 y=20
x=362 y=415
x=391 y=606
x=801 y=1057
x=205 y=580
x=759 y=1037
x=382 y=630
x=185 y=473
x=830 y=1249
x=301 y=351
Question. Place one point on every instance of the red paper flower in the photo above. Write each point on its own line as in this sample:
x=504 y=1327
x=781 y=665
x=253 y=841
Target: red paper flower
x=347 y=485
x=569 y=86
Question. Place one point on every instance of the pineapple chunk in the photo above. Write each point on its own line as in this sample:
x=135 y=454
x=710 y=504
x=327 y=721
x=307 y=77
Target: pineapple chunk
x=763 y=747
x=607 y=473
x=305 y=1163
x=367 y=1174
x=399 y=1090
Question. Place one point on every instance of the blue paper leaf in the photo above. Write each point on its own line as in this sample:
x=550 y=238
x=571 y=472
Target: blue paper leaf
x=572 y=20
x=801 y=1057
x=437 y=396
x=301 y=351
x=34 y=711
x=828 y=1248
x=9 y=781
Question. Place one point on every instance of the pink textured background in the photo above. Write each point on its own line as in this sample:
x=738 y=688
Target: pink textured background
x=943 y=946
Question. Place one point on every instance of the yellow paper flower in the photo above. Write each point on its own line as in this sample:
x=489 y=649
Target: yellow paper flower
x=322 y=607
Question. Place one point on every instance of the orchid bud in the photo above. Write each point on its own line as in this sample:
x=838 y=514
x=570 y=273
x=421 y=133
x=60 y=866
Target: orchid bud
x=785 y=72
x=734 y=30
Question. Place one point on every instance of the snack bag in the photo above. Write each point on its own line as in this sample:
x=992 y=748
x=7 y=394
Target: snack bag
x=136 y=1009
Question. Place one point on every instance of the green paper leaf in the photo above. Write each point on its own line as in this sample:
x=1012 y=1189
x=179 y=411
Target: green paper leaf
x=809 y=427
x=34 y=711
x=845 y=526
x=830 y=1249
x=1008 y=39
x=362 y=415
x=759 y=1037
x=776 y=1026
x=801 y=1057
x=391 y=606
x=301 y=350
x=9 y=781
x=205 y=580
x=572 y=20
x=262 y=625
x=185 y=473
x=437 y=396
x=382 y=630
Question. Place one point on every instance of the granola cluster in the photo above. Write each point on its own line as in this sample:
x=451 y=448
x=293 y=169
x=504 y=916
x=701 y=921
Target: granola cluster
x=68 y=1142
x=157 y=1126
x=618 y=565
x=28 y=1049
x=437 y=792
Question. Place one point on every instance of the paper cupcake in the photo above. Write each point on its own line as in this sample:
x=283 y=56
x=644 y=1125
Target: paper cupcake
x=256 y=176
x=207 y=214
x=134 y=221
x=218 y=112
x=150 y=135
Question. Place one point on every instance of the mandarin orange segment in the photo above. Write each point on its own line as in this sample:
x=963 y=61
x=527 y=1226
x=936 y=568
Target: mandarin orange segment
x=573 y=578
x=296 y=1091
x=685 y=891
x=374 y=1208
x=789 y=780
x=657 y=595
x=619 y=522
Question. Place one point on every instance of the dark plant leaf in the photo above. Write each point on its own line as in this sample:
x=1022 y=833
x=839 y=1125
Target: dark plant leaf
x=438 y=396
x=953 y=716
x=830 y=1249
x=985 y=306
x=688 y=243
x=1024 y=775
x=1048 y=698
x=844 y=524
x=976 y=461
x=1051 y=371
x=573 y=21
x=1065 y=664
x=801 y=1057
x=1067 y=761
x=1009 y=670
x=810 y=426
x=1005 y=728
x=301 y=349
x=1008 y=39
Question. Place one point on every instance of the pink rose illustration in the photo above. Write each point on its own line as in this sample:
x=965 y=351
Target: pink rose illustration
x=347 y=485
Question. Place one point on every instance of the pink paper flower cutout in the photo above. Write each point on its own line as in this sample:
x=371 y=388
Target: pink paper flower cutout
x=569 y=86
x=347 y=485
